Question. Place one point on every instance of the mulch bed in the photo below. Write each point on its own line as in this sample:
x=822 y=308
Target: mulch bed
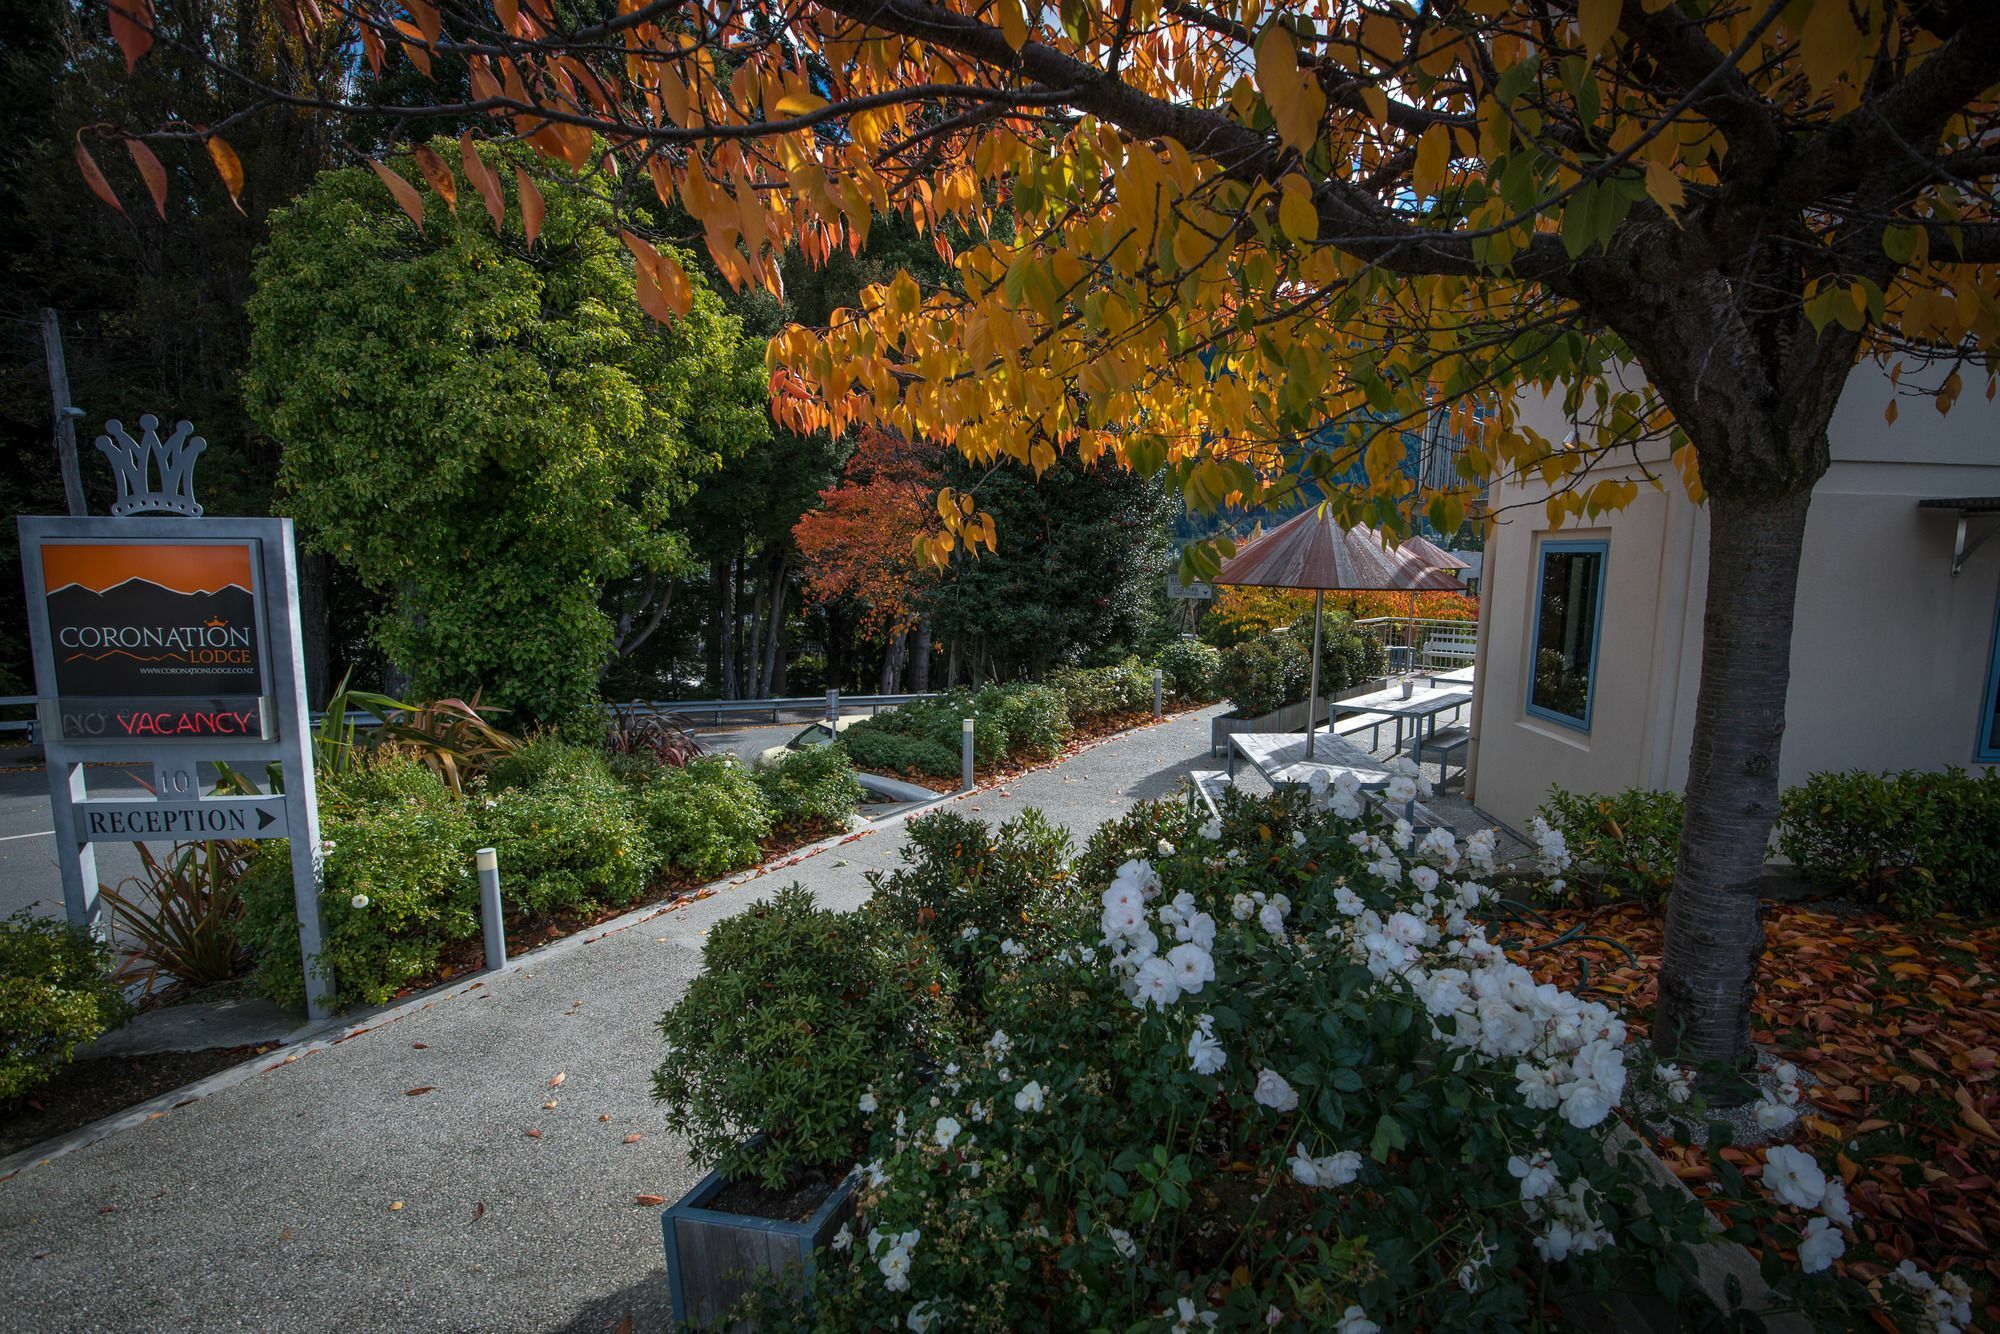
x=1900 y=1024
x=90 y=1090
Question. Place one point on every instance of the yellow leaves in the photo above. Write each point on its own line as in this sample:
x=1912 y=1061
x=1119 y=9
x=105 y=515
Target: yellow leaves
x=1597 y=20
x=404 y=193
x=1297 y=216
x=1296 y=100
x=661 y=287
x=1433 y=160
x=1377 y=103
x=800 y=103
x=1013 y=23
x=1830 y=44
x=1665 y=187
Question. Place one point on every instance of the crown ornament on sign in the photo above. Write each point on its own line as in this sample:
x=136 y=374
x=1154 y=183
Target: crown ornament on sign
x=135 y=463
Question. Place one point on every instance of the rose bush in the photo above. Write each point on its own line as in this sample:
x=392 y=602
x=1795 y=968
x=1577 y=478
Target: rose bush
x=1270 y=1072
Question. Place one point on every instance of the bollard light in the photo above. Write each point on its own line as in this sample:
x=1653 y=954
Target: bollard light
x=488 y=862
x=965 y=755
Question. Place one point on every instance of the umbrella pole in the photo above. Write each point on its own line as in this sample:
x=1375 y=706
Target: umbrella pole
x=1312 y=692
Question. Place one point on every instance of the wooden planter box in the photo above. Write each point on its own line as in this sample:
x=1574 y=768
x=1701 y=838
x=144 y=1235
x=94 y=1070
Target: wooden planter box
x=1287 y=718
x=714 y=1258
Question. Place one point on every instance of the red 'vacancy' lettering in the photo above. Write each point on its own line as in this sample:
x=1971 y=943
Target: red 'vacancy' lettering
x=174 y=722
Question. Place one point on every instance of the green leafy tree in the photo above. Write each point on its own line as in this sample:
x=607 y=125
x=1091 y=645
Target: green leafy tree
x=486 y=427
x=1083 y=551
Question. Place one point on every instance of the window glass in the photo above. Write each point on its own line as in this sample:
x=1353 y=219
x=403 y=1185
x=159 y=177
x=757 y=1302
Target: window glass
x=1567 y=608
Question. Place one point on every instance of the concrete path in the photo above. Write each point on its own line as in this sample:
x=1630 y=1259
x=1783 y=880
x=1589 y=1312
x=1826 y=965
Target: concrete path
x=273 y=1204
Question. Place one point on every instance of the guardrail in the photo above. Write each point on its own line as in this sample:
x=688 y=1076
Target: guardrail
x=1427 y=643
x=706 y=711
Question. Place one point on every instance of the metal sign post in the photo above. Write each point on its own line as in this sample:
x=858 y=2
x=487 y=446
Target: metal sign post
x=169 y=641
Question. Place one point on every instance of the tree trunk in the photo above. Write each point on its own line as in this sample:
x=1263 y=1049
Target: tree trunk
x=774 y=629
x=892 y=662
x=316 y=625
x=920 y=656
x=740 y=663
x=726 y=629
x=753 y=663
x=716 y=599
x=1714 y=930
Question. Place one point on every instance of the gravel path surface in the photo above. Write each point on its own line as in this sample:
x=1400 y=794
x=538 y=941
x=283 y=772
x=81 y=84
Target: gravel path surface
x=272 y=1204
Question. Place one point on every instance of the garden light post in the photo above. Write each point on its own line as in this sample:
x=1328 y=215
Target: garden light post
x=1159 y=694
x=833 y=705
x=965 y=756
x=488 y=862
x=1312 y=689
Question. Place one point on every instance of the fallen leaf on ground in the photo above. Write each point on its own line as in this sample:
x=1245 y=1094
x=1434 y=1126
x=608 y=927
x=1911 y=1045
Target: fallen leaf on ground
x=420 y=1090
x=478 y=1211
x=560 y=1076
x=395 y=1206
x=533 y=1133
x=634 y=1137
x=547 y=1105
x=649 y=1199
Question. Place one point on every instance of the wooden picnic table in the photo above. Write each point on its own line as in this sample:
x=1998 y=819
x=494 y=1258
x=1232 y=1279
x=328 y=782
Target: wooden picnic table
x=1421 y=708
x=1281 y=758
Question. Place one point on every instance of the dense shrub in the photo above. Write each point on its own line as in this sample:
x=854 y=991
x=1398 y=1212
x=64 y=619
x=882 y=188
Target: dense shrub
x=796 y=1014
x=812 y=785
x=1191 y=668
x=705 y=818
x=548 y=758
x=1263 y=674
x=398 y=884
x=971 y=889
x=56 y=994
x=1625 y=844
x=1032 y=718
x=568 y=832
x=1093 y=694
x=1915 y=842
x=878 y=750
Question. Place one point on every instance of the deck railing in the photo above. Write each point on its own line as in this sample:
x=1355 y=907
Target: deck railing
x=1427 y=644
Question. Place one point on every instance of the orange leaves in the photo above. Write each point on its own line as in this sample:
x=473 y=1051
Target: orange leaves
x=662 y=287
x=93 y=175
x=132 y=29
x=228 y=166
x=405 y=194
x=483 y=180
x=153 y=173
x=437 y=173
x=532 y=207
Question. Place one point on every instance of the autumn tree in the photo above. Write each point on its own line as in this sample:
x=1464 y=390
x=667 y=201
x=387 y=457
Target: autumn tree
x=1688 y=219
x=860 y=543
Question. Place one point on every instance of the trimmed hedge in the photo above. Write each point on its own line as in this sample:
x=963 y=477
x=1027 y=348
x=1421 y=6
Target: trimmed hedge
x=815 y=784
x=569 y=833
x=707 y=817
x=1914 y=842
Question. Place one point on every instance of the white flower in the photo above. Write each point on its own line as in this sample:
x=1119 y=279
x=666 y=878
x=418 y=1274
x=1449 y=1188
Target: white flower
x=359 y=901
x=895 y=1261
x=1774 y=1115
x=920 y=1319
x=1298 y=841
x=999 y=1044
x=843 y=1238
x=1476 y=1262
x=946 y=1131
x=1536 y=1173
x=1679 y=1086
x=1338 y=1169
x=868 y=1103
x=1948 y=1304
x=1424 y=878
x=1193 y=967
x=1820 y=1246
x=1166 y=848
x=1012 y=947
x=1202 y=1048
x=1400 y=791
x=1834 y=1205
x=1348 y=902
x=1273 y=1092
x=1141 y=876
x=1794 y=1177
x=1030 y=1098
x=1186 y=1317
x=1272 y=917
x=1354 y=1320
x=1121 y=1241
x=1242 y=907
x=1273 y=1317
x=1156 y=983
x=970 y=933
x=1212 y=829
x=1480 y=849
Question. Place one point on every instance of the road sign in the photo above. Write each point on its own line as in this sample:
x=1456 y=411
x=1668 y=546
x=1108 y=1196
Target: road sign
x=182 y=821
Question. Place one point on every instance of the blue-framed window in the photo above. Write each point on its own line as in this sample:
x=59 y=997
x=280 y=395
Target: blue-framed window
x=1568 y=612
x=1988 y=749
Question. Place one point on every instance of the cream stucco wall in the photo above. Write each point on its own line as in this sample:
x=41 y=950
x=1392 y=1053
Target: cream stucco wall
x=1889 y=652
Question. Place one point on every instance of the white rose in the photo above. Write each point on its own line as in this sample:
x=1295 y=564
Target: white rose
x=1354 y=1320
x=868 y=1103
x=1794 y=1177
x=1821 y=1245
x=359 y=901
x=1274 y=1092
x=1030 y=1098
x=947 y=1131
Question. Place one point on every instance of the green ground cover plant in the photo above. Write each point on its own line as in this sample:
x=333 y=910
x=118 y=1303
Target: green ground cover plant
x=56 y=994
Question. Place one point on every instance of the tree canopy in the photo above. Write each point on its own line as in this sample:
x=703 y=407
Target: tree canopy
x=487 y=428
x=1231 y=224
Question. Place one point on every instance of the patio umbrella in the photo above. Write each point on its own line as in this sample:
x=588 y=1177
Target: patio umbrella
x=1312 y=551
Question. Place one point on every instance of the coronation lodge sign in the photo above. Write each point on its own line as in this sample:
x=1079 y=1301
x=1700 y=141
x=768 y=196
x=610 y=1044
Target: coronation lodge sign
x=172 y=640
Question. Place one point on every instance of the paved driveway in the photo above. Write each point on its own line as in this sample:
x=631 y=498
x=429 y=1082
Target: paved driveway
x=271 y=1204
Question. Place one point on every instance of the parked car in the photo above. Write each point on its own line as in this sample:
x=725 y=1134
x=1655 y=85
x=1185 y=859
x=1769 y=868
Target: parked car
x=819 y=732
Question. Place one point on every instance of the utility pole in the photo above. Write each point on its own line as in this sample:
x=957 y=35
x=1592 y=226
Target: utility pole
x=66 y=415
